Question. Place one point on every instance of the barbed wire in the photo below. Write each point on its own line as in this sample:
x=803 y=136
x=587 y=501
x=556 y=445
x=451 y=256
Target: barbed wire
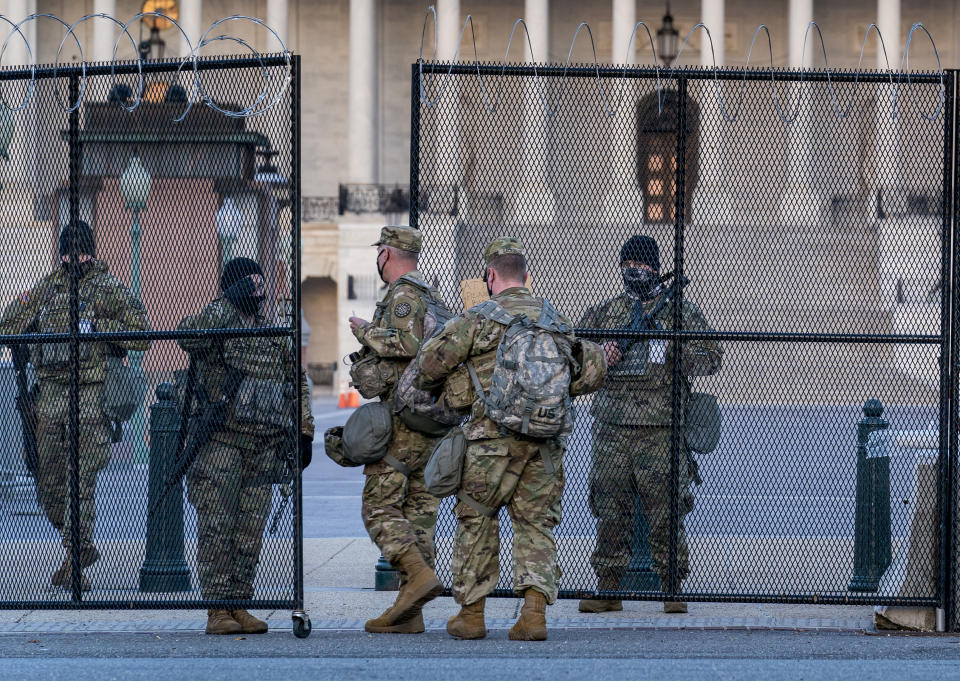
x=611 y=104
x=269 y=96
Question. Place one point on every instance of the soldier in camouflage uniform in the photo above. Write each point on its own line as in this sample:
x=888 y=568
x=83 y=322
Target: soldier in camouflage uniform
x=105 y=305
x=399 y=513
x=500 y=468
x=230 y=482
x=632 y=427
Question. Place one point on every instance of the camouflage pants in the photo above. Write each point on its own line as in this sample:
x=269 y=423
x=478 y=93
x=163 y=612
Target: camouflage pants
x=53 y=450
x=508 y=472
x=229 y=487
x=398 y=511
x=627 y=462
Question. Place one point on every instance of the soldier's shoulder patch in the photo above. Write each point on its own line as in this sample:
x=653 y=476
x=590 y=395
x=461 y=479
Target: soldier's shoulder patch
x=402 y=309
x=25 y=297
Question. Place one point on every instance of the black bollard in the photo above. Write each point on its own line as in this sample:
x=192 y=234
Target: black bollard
x=640 y=575
x=386 y=577
x=164 y=568
x=871 y=538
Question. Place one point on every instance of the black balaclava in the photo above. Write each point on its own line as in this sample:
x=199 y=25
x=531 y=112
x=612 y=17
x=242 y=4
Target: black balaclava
x=85 y=245
x=237 y=288
x=638 y=281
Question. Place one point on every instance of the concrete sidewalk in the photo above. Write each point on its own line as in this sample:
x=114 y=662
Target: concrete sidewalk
x=339 y=595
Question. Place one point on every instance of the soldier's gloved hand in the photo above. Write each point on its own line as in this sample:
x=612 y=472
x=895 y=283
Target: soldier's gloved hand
x=612 y=352
x=306 y=451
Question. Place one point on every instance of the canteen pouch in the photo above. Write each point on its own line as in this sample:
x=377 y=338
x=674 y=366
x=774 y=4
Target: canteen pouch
x=371 y=376
x=123 y=391
x=445 y=468
x=702 y=428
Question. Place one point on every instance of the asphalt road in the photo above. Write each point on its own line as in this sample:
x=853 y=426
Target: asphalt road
x=568 y=654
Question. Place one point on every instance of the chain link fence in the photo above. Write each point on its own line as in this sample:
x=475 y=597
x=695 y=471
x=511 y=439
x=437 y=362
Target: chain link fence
x=817 y=254
x=96 y=510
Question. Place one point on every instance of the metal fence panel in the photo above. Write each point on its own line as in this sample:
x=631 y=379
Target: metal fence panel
x=816 y=252
x=169 y=202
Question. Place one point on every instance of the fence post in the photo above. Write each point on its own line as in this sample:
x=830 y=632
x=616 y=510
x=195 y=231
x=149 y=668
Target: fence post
x=164 y=568
x=871 y=543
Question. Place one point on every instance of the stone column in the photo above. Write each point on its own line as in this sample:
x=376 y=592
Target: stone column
x=624 y=19
x=889 y=198
x=534 y=201
x=712 y=16
x=278 y=20
x=105 y=32
x=191 y=21
x=623 y=202
x=712 y=203
x=362 y=99
x=802 y=203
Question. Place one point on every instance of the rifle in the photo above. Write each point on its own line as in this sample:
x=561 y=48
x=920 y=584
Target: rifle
x=286 y=488
x=196 y=428
x=648 y=322
x=26 y=407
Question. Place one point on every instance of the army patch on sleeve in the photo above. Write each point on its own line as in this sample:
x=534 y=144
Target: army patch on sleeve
x=401 y=309
x=25 y=297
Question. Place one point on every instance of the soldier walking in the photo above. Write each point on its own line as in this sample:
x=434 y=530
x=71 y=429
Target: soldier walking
x=504 y=467
x=230 y=481
x=632 y=425
x=105 y=305
x=399 y=513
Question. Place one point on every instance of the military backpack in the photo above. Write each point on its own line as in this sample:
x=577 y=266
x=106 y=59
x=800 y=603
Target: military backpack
x=419 y=409
x=530 y=388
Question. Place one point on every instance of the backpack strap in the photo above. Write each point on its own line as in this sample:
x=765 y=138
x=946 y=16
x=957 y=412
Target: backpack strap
x=482 y=509
x=398 y=465
x=494 y=311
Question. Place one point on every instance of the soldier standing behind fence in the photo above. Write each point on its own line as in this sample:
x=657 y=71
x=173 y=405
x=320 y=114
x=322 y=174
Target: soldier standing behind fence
x=399 y=513
x=500 y=467
x=230 y=481
x=105 y=305
x=632 y=425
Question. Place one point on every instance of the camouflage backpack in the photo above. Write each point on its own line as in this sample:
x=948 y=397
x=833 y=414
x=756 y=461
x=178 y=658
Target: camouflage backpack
x=418 y=409
x=530 y=389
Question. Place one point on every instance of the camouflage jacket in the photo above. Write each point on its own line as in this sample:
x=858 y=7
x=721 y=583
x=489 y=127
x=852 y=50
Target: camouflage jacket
x=395 y=333
x=106 y=306
x=639 y=392
x=270 y=358
x=475 y=338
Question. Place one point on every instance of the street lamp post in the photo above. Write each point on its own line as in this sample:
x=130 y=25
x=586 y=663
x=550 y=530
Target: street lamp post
x=135 y=187
x=667 y=38
x=229 y=223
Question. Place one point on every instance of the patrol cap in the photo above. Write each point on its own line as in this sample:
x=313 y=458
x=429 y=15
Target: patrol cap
x=400 y=236
x=504 y=245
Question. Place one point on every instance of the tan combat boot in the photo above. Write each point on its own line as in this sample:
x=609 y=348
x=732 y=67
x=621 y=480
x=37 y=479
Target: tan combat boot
x=468 y=623
x=532 y=623
x=602 y=604
x=674 y=607
x=220 y=622
x=61 y=577
x=421 y=587
x=249 y=623
x=387 y=624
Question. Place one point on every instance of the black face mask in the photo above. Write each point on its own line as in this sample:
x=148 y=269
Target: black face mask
x=640 y=282
x=380 y=267
x=82 y=269
x=241 y=296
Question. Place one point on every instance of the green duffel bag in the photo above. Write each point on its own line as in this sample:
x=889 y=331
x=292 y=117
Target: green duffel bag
x=445 y=467
x=702 y=428
x=123 y=390
x=367 y=433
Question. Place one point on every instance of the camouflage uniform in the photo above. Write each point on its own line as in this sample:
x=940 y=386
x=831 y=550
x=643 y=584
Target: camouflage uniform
x=230 y=481
x=106 y=305
x=499 y=469
x=397 y=510
x=632 y=439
